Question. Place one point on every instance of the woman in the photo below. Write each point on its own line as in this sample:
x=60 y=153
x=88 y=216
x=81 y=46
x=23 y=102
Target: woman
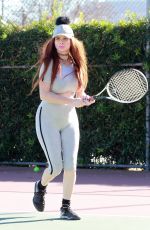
x=62 y=82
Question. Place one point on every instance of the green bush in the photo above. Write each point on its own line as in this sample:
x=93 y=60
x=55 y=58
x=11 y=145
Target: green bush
x=110 y=131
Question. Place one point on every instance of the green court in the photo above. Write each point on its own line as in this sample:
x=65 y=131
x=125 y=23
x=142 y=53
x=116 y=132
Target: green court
x=21 y=221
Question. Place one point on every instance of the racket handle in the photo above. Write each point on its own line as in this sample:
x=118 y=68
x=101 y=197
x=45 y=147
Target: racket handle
x=100 y=97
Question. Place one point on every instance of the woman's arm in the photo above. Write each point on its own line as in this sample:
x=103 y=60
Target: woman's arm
x=44 y=88
x=81 y=94
x=53 y=98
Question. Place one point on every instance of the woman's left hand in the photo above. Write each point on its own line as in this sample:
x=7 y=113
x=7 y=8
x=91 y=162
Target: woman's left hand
x=88 y=100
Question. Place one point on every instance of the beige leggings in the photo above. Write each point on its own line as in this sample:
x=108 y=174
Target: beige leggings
x=57 y=130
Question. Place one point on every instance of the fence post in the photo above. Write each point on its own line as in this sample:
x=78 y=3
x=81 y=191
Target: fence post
x=148 y=95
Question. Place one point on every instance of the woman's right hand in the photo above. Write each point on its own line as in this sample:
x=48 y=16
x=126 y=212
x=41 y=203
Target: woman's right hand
x=80 y=102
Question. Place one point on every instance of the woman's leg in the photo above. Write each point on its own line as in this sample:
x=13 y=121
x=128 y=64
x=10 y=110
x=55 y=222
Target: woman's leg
x=69 y=179
x=70 y=145
x=50 y=141
x=49 y=138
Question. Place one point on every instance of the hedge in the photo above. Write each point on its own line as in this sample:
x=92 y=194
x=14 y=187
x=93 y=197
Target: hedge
x=110 y=132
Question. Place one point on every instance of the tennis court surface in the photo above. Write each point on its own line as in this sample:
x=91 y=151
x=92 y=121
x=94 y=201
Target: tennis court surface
x=105 y=199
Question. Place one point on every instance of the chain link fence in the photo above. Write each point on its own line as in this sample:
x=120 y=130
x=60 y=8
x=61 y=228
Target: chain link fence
x=25 y=11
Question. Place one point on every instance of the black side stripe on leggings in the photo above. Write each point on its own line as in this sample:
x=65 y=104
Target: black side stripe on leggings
x=44 y=140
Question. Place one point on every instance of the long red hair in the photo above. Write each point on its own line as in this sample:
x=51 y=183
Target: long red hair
x=49 y=53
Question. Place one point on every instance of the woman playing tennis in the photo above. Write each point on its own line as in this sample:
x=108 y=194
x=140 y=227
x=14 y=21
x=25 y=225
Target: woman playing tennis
x=62 y=82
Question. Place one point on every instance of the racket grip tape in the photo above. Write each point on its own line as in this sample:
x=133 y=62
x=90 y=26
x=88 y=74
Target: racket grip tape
x=100 y=97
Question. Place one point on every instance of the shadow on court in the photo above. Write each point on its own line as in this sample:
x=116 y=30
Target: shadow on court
x=22 y=220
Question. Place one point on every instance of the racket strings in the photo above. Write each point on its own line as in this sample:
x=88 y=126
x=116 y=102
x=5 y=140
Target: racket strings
x=127 y=85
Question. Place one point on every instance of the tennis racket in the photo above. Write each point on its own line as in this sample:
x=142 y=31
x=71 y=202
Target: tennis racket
x=125 y=86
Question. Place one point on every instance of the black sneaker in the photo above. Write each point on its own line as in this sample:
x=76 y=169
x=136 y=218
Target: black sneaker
x=39 y=198
x=68 y=214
